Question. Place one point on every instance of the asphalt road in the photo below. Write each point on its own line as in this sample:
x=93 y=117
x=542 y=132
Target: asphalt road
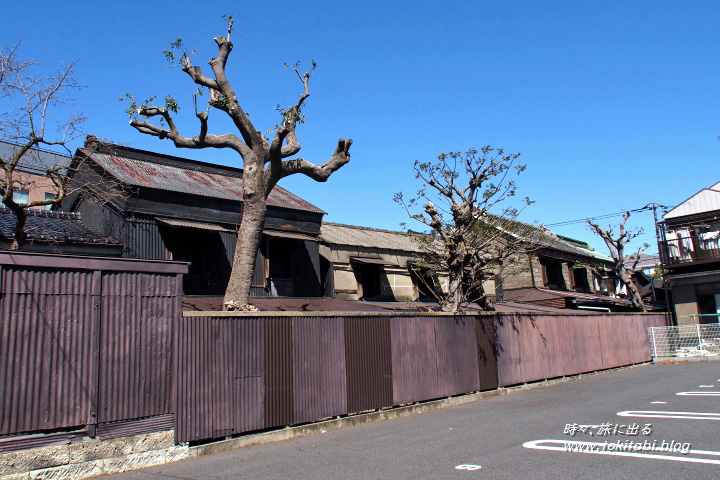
x=522 y=435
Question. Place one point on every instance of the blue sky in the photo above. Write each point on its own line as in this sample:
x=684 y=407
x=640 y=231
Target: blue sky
x=612 y=104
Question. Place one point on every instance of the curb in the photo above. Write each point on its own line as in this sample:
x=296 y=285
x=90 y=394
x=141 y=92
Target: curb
x=686 y=359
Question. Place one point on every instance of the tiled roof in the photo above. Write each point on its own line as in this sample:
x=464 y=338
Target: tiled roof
x=544 y=238
x=192 y=179
x=52 y=227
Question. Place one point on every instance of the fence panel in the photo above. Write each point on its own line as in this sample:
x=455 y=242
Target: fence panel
x=456 y=355
x=46 y=333
x=369 y=363
x=536 y=347
x=699 y=340
x=136 y=345
x=414 y=362
x=82 y=353
x=319 y=373
x=485 y=333
x=279 y=399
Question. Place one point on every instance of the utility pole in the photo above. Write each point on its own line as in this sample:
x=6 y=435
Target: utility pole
x=670 y=308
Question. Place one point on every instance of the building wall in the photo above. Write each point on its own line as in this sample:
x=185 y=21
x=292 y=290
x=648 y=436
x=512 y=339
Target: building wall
x=527 y=272
x=684 y=291
x=685 y=303
x=36 y=185
x=519 y=273
x=396 y=284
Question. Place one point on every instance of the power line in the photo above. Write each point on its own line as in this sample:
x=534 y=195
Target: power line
x=649 y=206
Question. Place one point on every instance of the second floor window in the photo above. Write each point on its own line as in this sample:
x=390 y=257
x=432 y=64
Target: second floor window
x=20 y=195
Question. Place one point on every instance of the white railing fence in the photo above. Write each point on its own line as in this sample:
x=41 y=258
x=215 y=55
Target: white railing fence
x=685 y=340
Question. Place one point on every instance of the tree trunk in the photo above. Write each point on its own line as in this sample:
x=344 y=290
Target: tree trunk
x=634 y=293
x=485 y=303
x=19 y=235
x=455 y=295
x=246 y=249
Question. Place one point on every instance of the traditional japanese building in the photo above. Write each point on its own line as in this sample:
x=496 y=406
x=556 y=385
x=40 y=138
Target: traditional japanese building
x=171 y=208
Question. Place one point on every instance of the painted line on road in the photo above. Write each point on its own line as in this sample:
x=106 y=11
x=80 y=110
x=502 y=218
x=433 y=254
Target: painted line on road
x=699 y=394
x=668 y=414
x=706 y=386
x=658 y=402
x=562 y=447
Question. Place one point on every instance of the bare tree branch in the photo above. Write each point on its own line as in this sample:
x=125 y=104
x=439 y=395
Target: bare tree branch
x=469 y=241
x=29 y=122
x=616 y=247
x=264 y=162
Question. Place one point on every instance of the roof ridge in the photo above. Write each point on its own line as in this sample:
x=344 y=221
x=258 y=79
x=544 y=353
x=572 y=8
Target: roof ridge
x=359 y=227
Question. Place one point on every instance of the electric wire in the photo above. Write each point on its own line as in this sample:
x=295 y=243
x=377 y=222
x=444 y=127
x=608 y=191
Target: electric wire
x=649 y=206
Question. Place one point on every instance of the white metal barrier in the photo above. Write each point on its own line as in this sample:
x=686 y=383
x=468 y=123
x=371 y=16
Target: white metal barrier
x=685 y=340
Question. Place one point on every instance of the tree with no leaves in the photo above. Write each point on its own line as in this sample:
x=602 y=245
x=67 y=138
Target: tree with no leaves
x=470 y=242
x=264 y=161
x=616 y=246
x=29 y=102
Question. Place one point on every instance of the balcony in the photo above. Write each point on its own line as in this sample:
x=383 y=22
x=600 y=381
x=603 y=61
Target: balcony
x=689 y=247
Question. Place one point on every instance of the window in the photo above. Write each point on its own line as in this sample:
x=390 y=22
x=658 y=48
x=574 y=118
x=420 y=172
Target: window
x=20 y=195
x=579 y=279
x=49 y=196
x=552 y=274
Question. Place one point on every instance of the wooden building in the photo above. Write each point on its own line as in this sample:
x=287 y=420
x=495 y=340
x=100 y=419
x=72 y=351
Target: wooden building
x=163 y=207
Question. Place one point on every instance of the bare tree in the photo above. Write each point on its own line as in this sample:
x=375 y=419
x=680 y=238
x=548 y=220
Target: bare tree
x=264 y=161
x=616 y=246
x=470 y=242
x=29 y=102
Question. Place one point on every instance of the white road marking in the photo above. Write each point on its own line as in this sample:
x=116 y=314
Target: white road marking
x=658 y=402
x=535 y=444
x=706 y=386
x=699 y=394
x=666 y=414
x=468 y=467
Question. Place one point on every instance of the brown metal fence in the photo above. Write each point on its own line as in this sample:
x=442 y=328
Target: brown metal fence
x=99 y=347
x=318 y=366
x=86 y=344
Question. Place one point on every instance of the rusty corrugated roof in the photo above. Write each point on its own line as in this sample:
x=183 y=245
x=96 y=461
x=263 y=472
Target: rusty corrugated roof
x=192 y=181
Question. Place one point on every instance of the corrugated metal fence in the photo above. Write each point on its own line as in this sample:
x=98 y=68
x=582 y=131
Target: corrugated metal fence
x=86 y=344
x=244 y=372
x=99 y=347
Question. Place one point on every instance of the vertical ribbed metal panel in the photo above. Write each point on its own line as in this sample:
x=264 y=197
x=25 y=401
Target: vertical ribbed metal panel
x=279 y=400
x=456 y=355
x=45 y=348
x=413 y=359
x=536 y=347
x=136 y=345
x=369 y=363
x=249 y=363
x=486 y=352
x=142 y=239
x=318 y=368
x=229 y=241
x=623 y=340
x=221 y=367
x=204 y=406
